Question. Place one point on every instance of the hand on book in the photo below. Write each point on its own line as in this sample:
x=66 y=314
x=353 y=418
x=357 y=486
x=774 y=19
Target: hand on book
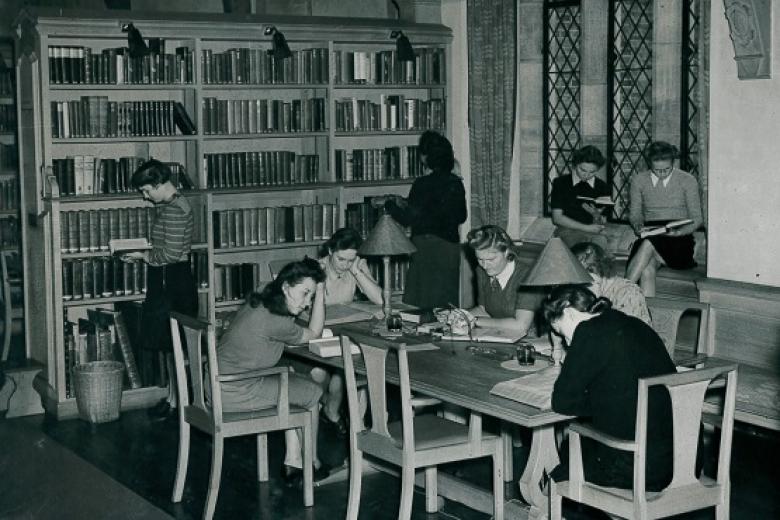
x=135 y=255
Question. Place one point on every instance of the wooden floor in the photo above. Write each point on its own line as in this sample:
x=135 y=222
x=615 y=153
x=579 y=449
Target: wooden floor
x=125 y=469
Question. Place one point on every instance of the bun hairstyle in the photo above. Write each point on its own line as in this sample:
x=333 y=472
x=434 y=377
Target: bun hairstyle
x=272 y=296
x=344 y=238
x=660 y=151
x=575 y=296
x=151 y=172
x=487 y=237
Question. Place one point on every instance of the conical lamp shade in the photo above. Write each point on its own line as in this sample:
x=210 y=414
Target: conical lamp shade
x=556 y=265
x=387 y=238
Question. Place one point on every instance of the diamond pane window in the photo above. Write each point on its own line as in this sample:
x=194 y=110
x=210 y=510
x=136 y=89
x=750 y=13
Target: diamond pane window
x=631 y=96
x=561 y=90
x=689 y=113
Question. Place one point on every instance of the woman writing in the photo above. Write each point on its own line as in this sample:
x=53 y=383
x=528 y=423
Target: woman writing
x=169 y=280
x=256 y=338
x=658 y=196
x=435 y=208
x=608 y=352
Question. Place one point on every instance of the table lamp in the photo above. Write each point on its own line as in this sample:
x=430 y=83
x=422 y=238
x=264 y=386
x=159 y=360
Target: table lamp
x=556 y=265
x=386 y=239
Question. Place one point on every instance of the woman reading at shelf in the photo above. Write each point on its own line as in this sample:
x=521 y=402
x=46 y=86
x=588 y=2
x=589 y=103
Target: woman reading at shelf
x=607 y=353
x=170 y=285
x=661 y=195
x=435 y=208
x=578 y=220
x=255 y=339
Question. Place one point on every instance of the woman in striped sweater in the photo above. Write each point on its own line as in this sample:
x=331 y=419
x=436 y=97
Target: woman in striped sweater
x=170 y=285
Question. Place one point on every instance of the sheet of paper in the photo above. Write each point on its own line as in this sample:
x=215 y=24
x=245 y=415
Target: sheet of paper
x=486 y=334
x=534 y=389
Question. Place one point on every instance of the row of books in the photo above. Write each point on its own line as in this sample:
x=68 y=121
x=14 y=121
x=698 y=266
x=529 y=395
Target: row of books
x=394 y=162
x=89 y=175
x=90 y=230
x=391 y=113
x=362 y=216
x=7 y=118
x=103 y=277
x=9 y=156
x=255 y=116
x=79 y=65
x=235 y=281
x=9 y=232
x=9 y=194
x=96 y=116
x=244 y=66
x=382 y=67
x=276 y=168
x=398 y=268
x=7 y=81
x=259 y=226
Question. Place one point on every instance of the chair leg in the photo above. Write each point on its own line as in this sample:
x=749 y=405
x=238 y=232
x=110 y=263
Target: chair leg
x=362 y=407
x=355 y=481
x=555 y=502
x=431 y=490
x=407 y=492
x=216 y=474
x=183 y=460
x=507 y=441
x=308 y=465
x=262 y=457
x=722 y=509
x=499 y=459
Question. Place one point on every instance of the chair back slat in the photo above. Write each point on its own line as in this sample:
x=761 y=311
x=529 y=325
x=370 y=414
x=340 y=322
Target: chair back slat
x=666 y=314
x=665 y=323
x=687 y=401
x=375 y=359
x=190 y=374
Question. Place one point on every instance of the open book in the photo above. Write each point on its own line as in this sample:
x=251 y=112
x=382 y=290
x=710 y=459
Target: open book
x=122 y=245
x=534 y=389
x=604 y=200
x=486 y=334
x=662 y=230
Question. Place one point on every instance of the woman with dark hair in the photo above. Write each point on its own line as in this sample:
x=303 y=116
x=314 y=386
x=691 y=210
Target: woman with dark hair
x=345 y=273
x=625 y=295
x=577 y=220
x=501 y=301
x=256 y=338
x=170 y=285
x=660 y=195
x=608 y=352
x=435 y=208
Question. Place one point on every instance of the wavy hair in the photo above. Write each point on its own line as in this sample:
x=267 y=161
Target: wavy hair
x=272 y=296
x=575 y=296
x=490 y=236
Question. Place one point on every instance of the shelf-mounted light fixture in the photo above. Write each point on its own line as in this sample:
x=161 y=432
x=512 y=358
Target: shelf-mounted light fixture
x=279 y=45
x=403 y=48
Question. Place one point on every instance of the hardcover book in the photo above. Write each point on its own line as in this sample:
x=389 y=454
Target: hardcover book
x=662 y=230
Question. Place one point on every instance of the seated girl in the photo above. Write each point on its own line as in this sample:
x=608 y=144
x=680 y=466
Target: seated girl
x=256 y=338
x=625 y=295
x=608 y=352
x=577 y=220
x=658 y=196
x=501 y=301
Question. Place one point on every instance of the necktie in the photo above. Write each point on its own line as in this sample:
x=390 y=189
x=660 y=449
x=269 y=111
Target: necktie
x=494 y=285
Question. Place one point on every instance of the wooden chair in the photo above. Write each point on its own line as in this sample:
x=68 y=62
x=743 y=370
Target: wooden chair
x=667 y=313
x=192 y=379
x=424 y=441
x=685 y=492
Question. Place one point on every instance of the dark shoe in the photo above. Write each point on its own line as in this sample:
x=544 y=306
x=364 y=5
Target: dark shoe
x=339 y=427
x=293 y=477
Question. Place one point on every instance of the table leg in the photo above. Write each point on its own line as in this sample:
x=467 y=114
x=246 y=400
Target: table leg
x=542 y=459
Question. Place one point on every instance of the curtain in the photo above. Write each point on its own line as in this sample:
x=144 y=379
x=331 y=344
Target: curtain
x=491 y=74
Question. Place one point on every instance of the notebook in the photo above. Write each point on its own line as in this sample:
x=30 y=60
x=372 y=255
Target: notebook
x=534 y=389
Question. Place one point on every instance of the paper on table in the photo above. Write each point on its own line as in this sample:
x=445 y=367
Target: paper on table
x=534 y=389
x=486 y=334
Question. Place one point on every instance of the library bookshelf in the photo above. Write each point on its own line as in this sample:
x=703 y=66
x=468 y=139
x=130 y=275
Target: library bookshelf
x=273 y=155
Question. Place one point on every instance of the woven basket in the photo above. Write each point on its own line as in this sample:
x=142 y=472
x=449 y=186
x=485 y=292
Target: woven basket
x=98 y=390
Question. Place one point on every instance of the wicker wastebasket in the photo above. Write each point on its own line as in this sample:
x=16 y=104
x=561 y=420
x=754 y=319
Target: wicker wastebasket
x=98 y=390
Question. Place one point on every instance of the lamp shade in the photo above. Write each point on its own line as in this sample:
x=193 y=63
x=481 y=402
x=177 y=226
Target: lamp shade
x=556 y=265
x=387 y=238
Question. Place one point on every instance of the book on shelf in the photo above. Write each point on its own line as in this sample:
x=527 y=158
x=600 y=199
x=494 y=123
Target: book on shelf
x=125 y=348
x=533 y=389
x=662 y=230
x=182 y=119
x=486 y=335
x=123 y=245
x=604 y=200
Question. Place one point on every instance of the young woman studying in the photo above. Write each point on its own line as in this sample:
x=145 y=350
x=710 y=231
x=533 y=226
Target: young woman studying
x=170 y=285
x=256 y=338
x=661 y=195
x=577 y=220
x=607 y=353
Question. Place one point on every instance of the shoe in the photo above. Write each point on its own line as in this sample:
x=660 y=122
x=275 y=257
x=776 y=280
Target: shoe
x=293 y=477
x=339 y=426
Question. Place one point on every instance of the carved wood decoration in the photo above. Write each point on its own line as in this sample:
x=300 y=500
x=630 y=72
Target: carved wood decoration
x=750 y=23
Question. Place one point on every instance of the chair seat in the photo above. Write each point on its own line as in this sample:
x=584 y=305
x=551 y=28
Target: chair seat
x=258 y=414
x=432 y=431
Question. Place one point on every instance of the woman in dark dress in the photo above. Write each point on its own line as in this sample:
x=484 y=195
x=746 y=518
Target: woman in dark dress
x=170 y=285
x=608 y=352
x=436 y=206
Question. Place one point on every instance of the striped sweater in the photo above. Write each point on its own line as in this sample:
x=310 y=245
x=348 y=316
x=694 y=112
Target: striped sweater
x=171 y=232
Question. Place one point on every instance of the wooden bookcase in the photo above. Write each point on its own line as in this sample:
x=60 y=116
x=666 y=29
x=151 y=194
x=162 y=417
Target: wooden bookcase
x=257 y=144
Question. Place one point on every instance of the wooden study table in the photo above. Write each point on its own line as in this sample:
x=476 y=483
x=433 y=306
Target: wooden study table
x=453 y=374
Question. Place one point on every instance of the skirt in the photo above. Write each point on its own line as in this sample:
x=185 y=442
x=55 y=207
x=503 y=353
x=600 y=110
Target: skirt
x=168 y=288
x=677 y=252
x=433 y=279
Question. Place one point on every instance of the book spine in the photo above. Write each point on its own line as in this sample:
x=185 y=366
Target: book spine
x=126 y=350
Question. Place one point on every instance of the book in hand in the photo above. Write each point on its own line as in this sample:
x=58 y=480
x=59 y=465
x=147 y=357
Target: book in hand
x=534 y=389
x=486 y=335
x=662 y=230
x=604 y=200
x=124 y=245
